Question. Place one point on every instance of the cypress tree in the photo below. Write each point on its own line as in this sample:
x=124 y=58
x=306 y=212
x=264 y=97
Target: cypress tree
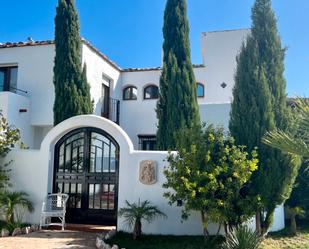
x=259 y=105
x=177 y=105
x=72 y=91
x=87 y=107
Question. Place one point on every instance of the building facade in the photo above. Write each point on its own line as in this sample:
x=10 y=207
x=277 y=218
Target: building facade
x=98 y=159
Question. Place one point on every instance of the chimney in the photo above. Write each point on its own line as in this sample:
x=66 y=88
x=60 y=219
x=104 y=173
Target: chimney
x=29 y=39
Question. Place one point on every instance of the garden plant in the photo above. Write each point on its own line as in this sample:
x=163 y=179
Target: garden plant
x=135 y=213
x=210 y=174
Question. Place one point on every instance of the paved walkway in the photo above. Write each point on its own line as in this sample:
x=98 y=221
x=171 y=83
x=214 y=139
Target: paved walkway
x=50 y=240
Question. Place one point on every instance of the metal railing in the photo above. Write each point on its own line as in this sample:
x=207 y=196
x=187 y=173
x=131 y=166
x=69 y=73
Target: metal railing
x=111 y=109
x=18 y=91
x=13 y=90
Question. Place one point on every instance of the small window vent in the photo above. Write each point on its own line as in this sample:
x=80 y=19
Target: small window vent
x=223 y=85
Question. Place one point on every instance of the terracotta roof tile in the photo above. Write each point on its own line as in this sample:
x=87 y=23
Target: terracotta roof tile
x=94 y=49
x=154 y=68
x=226 y=30
x=49 y=42
x=24 y=44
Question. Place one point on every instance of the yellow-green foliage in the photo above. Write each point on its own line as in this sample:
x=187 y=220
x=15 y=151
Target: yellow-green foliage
x=210 y=174
x=9 y=136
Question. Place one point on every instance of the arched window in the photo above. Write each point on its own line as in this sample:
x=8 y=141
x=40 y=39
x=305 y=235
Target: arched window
x=151 y=92
x=200 y=90
x=130 y=93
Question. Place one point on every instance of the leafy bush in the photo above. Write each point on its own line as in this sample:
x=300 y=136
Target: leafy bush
x=210 y=175
x=135 y=213
x=242 y=238
x=11 y=226
x=9 y=136
x=2 y=224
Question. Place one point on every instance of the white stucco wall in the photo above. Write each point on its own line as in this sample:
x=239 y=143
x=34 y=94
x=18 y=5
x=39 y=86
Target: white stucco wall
x=32 y=172
x=10 y=104
x=217 y=114
x=219 y=51
x=29 y=175
x=96 y=68
x=139 y=116
x=39 y=134
x=35 y=75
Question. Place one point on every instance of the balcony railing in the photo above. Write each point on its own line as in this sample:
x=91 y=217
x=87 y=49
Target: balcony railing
x=111 y=109
x=18 y=91
x=14 y=90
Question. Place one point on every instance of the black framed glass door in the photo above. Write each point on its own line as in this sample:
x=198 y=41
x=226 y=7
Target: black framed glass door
x=105 y=101
x=86 y=168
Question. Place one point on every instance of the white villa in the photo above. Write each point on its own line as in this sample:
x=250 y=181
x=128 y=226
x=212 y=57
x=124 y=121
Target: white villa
x=99 y=160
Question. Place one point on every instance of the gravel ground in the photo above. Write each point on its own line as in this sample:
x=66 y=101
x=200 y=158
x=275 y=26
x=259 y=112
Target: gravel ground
x=50 y=240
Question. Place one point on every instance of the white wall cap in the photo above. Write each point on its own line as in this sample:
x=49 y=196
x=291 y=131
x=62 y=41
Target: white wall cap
x=87 y=121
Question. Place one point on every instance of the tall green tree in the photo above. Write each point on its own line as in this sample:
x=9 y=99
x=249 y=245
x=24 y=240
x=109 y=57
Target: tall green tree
x=259 y=106
x=177 y=106
x=72 y=91
x=298 y=203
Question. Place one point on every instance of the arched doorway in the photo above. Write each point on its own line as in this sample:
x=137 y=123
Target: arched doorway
x=86 y=167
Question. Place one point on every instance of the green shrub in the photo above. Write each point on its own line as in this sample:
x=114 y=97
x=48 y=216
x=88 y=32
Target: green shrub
x=242 y=238
x=11 y=204
x=134 y=213
x=11 y=226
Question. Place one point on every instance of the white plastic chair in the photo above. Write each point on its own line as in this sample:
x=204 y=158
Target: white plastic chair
x=54 y=206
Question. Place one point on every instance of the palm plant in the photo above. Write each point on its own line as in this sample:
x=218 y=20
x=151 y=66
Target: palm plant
x=10 y=201
x=242 y=238
x=293 y=213
x=133 y=215
x=297 y=145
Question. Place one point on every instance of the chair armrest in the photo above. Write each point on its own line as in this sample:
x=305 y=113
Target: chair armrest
x=44 y=206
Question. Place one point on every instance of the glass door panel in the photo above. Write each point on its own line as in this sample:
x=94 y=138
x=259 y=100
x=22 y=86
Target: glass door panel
x=86 y=169
x=2 y=79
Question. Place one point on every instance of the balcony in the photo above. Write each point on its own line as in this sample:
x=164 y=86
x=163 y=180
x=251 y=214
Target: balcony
x=111 y=109
x=12 y=105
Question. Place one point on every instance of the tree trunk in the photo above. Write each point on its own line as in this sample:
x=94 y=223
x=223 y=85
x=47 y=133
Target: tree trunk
x=10 y=217
x=137 y=232
x=226 y=230
x=219 y=229
x=258 y=227
x=293 y=226
x=205 y=226
x=266 y=223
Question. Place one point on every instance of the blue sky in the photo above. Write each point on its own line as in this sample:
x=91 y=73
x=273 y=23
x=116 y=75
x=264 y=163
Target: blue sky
x=130 y=31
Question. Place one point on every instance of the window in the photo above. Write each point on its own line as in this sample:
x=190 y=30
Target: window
x=151 y=92
x=200 y=90
x=8 y=79
x=130 y=93
x=147 y=142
